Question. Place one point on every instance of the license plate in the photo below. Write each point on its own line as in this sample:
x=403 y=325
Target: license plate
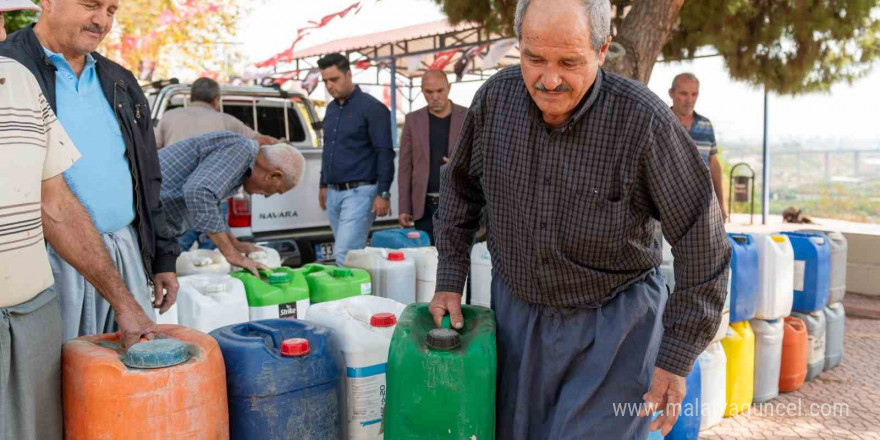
x=324 y=252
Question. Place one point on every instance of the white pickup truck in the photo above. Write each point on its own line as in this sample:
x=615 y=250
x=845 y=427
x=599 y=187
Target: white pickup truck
x=292 y=223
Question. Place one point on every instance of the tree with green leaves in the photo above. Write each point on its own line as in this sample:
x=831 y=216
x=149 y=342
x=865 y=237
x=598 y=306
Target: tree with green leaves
x=16 y=20
x=788 y=46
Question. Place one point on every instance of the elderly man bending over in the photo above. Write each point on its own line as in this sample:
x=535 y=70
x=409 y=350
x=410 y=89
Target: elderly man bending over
x=201 y=172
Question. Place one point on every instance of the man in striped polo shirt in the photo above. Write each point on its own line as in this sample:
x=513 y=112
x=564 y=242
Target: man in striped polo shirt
x=684 y=93
x=37 y=207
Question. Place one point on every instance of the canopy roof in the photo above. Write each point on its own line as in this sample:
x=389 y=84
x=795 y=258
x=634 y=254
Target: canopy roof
x=411 y=44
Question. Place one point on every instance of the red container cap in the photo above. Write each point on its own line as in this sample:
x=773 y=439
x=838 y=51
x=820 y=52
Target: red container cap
x=413 y=235
x=383 y=320
x=396 y=256
x=294 y=347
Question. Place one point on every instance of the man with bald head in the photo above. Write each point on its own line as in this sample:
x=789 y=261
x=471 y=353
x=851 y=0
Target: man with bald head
x=429 y=136
x=579 y=171
x=104 y=111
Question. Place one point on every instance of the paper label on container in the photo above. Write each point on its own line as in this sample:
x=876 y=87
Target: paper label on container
x=800 y=268
x=366 y=395
x=366 y=288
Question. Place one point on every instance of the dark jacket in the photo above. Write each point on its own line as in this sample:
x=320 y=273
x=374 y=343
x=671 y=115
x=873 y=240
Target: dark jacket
x=159 y=249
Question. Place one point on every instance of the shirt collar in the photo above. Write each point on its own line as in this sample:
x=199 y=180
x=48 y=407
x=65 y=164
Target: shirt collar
x=355 y=92
x=586 y=102
x=59 y=60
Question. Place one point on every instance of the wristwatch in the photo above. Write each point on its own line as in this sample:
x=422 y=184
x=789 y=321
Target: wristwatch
x=385 y=195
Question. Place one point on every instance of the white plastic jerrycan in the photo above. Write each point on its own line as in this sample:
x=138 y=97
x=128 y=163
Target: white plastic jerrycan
x=425 y=260
x=208 y=302
x=364 y=326
x=266 y=255
x=392 y=274
x=202 y=261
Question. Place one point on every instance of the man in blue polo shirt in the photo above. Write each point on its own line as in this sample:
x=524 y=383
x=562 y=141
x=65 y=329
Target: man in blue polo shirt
x=106 y=114
x=684 y=93
x=358 y=160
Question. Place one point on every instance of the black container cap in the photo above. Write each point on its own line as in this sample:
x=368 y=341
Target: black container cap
x=443 y=339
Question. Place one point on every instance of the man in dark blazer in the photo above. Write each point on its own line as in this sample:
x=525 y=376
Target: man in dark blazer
x=429 y=136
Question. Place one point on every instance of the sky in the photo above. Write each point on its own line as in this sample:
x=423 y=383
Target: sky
x=846 y=116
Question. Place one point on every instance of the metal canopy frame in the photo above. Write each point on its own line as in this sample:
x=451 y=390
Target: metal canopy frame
x=384 y=56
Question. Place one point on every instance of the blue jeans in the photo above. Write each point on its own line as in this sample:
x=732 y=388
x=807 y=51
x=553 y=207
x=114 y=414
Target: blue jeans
x=350 y=218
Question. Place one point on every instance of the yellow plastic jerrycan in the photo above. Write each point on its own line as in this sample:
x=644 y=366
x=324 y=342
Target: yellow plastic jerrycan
x=739 y=347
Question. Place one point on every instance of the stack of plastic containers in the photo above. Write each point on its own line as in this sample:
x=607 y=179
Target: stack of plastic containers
x=363 y=326
x=400 y=238
x=391 y=273
x=208 y=302
x=285 y=381
x=774 y=299
x=834 y=313
x=812 y=282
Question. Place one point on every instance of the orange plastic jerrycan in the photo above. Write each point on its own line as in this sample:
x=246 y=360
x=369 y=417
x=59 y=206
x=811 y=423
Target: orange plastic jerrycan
x=173 y=387
x=793 y=367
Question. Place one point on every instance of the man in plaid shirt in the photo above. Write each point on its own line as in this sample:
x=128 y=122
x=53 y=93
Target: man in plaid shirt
x=200 y=172
x=578 y=171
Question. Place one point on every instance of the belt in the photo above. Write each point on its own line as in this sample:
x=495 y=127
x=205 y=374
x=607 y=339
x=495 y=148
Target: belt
x=434 y=198
x=350 y=185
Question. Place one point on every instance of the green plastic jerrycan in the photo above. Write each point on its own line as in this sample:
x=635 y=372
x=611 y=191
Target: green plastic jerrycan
x=329 y=283
x=441 y=382
x=277 y=293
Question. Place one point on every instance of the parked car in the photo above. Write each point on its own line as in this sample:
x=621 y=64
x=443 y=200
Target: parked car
x=292 y=223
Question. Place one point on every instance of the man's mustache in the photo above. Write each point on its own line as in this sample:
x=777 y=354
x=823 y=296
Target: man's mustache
x=95 y=29
x=559 y=89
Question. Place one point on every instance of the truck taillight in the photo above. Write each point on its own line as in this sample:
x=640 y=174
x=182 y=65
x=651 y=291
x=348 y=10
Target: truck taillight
x=240 y=211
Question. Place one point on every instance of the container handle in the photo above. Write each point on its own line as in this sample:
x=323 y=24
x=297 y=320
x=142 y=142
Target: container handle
x=446 y=322
x=741 y=239
x=277 y=337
